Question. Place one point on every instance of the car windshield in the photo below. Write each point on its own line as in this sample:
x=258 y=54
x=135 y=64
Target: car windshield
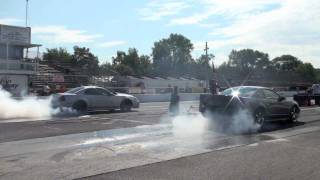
x=75 y=90
x=240 y=91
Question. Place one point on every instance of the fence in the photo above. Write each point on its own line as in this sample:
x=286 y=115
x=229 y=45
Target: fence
x=155 y=90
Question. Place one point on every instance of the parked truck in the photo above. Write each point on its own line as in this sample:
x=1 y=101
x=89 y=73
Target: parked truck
x=306 y=98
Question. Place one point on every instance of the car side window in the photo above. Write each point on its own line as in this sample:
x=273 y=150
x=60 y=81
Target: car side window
x=92 y=91
x=270 y=94
x=104 y=92
x=259 y=95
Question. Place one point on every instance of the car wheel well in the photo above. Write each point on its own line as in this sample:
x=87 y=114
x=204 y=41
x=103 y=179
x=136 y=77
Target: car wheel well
x=126 y=105
x=295 y=106
x=260 y=108
x=127 y=102
x=80 y=105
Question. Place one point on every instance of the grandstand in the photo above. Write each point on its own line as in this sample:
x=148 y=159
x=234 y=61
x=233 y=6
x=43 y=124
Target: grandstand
x=57 y=75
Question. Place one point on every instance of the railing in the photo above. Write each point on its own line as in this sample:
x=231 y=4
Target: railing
x=27 y=66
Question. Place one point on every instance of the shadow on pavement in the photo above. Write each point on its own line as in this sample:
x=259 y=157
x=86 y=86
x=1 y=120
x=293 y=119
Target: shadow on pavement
x=281 y=125
x=77 y=114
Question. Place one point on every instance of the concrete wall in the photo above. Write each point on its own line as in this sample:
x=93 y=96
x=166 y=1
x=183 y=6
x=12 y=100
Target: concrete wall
x=288 y=93
x=189 y=96
x=166 y=97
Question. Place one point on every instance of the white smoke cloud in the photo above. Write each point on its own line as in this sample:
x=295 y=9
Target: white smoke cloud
x=189 y=125
x=242 y=122
x=29 y=107
x=194 y=126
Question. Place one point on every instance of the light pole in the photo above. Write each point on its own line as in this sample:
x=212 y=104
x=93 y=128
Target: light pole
x=27 y=8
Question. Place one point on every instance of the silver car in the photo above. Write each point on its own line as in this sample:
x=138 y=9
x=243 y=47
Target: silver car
x=93 y=98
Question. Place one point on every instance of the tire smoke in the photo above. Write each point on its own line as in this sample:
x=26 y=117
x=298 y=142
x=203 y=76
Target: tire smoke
x=29 y=107
x=194 y=126
x=240 y=122
x=24 y=107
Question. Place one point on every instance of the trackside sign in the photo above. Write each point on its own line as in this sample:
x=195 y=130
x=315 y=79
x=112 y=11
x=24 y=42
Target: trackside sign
x=13 y=34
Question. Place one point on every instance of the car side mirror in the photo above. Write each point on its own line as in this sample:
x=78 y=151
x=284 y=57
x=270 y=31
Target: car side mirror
x=281 y=98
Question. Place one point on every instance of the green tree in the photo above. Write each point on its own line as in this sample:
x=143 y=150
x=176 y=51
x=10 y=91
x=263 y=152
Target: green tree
x=172 y=55
x=86 y=60
x=57 y=55
x=131 y=63
x=145 y=65
x=201 y=67
x=286 y=63
x=124 y=70
x=247 y=59
x=119 y=59
x=307 y=71
x=107 y=69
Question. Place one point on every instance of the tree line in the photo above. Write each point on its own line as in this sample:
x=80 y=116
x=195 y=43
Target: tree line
x=172 y=56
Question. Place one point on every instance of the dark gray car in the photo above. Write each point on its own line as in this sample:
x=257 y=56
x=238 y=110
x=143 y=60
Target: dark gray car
x=264 y=104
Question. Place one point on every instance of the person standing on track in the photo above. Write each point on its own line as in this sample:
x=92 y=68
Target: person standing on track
x=174 y=102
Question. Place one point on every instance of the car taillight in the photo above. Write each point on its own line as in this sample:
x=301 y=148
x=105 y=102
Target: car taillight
x=62 y=98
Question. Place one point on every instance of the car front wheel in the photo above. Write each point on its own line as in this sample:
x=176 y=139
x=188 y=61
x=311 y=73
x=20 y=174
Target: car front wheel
x=294 y=113
x=126 y=106
x=259 y=117
x=80 y=107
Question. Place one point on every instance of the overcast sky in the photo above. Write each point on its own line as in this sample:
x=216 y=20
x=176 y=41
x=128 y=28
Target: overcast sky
x=105 y=26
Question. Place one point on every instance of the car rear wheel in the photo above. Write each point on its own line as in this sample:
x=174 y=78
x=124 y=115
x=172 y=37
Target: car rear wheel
x=293 y=116
x=80 y=107
x=259 y=117
x=126 y=106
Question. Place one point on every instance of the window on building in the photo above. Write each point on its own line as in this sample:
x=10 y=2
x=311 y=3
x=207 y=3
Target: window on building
x=3 y=51
x=15 y=52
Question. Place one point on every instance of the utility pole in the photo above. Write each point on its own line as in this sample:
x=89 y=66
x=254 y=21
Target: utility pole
x=207 y=56
x=27 y=8
x=206 y=50
x=207 y=59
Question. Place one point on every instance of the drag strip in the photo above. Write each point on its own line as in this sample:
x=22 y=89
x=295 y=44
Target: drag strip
x=85 y=154
x=80 y=155
x=75 y=147
x=148 y=113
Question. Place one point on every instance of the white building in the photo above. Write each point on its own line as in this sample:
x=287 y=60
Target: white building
x=161 y=84
x=15 y=65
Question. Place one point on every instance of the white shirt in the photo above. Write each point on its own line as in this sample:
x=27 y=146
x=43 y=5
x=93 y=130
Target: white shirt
x=316 y=88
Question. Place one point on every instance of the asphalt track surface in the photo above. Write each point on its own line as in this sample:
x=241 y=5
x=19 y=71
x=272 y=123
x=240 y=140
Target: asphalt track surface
x=149 y=144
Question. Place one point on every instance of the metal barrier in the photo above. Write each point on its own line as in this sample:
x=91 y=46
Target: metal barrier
x=154 y=90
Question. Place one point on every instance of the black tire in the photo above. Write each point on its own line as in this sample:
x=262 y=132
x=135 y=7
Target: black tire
x=81 y=107
x=293 y=115
x=259 y=117
x=126 y=106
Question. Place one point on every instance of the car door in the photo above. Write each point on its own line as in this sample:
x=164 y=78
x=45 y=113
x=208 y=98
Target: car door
x=108 y=99
x=276 y=108
x=94 y=98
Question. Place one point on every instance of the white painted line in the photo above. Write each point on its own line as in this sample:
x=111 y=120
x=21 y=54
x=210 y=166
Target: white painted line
x=306 y=109
x=154 y=106
x=293 y=132
x=134 y=121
